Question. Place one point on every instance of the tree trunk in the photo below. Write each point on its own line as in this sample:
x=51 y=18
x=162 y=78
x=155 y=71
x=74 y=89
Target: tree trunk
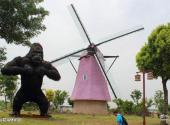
x=165 y=108
x=11 y=101
x=5 y=102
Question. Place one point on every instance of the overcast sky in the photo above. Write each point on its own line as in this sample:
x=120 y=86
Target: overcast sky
x=102 y=19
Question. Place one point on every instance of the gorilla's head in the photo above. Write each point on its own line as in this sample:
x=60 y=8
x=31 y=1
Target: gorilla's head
x=35 y=54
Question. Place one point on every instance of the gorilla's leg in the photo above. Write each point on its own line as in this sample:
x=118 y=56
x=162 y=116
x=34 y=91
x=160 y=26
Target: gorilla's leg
x=43 y=103
x=19 y=100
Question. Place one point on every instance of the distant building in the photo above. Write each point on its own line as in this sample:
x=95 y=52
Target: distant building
x=65 y=108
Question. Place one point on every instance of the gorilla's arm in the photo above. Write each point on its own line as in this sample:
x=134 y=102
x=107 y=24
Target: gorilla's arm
x=13 y=67
x=51 y=71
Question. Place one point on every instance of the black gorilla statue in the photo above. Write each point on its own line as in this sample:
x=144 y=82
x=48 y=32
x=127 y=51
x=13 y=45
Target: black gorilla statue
x=32 y=68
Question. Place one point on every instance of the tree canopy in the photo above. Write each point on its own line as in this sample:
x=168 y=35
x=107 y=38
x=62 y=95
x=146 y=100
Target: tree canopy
x=136 y=96
x=155 y=56
x=49 y=93
x=8 y=87
x=60 y=97
x=20 y=20
x=158 y=99
x=2 y=56
x=135 y=106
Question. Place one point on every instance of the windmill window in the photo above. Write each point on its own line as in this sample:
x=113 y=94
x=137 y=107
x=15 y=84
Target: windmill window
x=84 y=77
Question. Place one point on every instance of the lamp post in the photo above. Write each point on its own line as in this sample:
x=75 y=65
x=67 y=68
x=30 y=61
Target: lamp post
x=138 y=78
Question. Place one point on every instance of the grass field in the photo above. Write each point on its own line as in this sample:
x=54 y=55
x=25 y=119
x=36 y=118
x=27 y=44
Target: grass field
x=77 y=119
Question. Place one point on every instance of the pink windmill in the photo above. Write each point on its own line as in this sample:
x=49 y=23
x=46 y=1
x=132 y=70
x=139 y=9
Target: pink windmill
x=90 y=94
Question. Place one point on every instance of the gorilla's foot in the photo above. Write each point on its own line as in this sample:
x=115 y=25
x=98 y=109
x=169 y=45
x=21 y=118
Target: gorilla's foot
x=45 y=115
x=15 y=114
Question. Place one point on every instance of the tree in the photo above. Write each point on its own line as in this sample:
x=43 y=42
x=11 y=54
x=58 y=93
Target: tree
x=149 y=103
x=154 y=56
x=2 y=56
x=138 y=109
x=30 y=106
x=59 y=97
x=128 y=107
x=8 y=86
x=169 y=108
x=2 y=105
x=136 y=96
x=119 y=103
x=49 y=94
x=158 y=99
x=124 y=106
x=70 y=102
x=21 y=20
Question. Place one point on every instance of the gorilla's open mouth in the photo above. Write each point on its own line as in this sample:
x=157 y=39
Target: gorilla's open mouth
x=36 y=59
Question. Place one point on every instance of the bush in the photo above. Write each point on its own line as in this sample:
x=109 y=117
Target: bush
x=2 y=105
x=30 y=106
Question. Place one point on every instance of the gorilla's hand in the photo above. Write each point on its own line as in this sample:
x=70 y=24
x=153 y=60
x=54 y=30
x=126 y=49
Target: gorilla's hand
x=28 y=69
x=41 y=70
x=25 y=61
x=47 y=64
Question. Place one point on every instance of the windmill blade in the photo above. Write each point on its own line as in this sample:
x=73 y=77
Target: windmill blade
x=79 y=23
x=110 y=75
x=103 y=70
x=68 y=55
x=119 y=35
x=72 y=65
x=64 y=61
x=78 y=56
x=110 y=56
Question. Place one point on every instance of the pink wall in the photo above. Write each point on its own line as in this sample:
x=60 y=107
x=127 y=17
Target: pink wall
x=90 y=82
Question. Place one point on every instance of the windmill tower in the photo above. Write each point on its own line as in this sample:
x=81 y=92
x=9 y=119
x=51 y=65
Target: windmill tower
x=90 y=93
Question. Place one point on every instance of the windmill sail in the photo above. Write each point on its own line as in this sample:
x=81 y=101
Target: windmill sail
x=92 y=46
x=79 y=23
x=63 y=58
x=72 y=65
x=101 y=63
x=121 y=34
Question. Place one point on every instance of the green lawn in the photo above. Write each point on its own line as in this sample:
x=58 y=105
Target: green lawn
x=77 y=119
